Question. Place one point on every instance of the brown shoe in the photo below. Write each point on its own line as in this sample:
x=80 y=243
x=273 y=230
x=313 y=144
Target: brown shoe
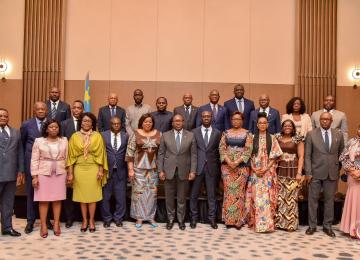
x=329 y=232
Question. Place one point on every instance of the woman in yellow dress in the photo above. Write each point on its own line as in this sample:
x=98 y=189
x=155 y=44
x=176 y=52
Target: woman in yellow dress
x=88 y=168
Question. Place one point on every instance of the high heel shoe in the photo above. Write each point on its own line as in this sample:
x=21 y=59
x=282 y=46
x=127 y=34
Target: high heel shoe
x=44 y=235
x=58 y=232
x=92 y=230
x=83 y=230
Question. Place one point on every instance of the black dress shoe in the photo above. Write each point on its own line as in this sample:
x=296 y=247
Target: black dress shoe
x=193 y=224
x=69 y=223
x=11 y=232
x=29 y=228
x=107 y=224
x=119 y=223
x=329 y=232
x=169 y=225
x=182 y=225
x=213 y=224
x=310 y=231
x=49 y=225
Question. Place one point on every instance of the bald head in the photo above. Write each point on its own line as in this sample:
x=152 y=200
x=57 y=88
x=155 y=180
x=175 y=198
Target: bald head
x=40 y=110
x=264 y=101
x=113 y=99
x=187 y=99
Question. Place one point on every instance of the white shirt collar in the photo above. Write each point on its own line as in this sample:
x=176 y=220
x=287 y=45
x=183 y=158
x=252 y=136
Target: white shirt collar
x=56 y=103
x=267 y=110
x=203 y=128
x=180 y=132
x=112 y=107
x=331 y=111
x=113 y=134
x=188 y=106
x=212 y=105
x=239 y=100
x=7 y=129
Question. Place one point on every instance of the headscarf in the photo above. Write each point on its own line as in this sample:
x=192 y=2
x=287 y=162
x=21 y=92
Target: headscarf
x=86 y=139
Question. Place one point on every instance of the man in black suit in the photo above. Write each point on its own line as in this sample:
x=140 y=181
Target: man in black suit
x=58 y=109
x=162 y=117
x=220 y=118
x=106 y=112
x=68 y=127
x=188 y=111
x=116 y=144
x=11 y=171
x=208 y=167
x=273 y=116
x=241 y=104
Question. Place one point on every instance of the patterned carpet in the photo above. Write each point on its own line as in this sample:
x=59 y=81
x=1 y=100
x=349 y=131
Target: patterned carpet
x=159 y=243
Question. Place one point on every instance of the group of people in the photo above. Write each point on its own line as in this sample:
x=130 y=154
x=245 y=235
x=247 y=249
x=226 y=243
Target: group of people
x=65 y=155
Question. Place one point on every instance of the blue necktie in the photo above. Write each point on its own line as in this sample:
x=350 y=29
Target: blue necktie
x=177 y=140
x=53 y=110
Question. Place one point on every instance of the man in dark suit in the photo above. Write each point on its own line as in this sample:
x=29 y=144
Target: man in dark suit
x=116 y=144
x=106 y=112
x=11 y=171
x=162 y=117
x=220 y=118
x=208 y=168
x=241 y=104
x=273 y=116
x=58 y=109
x=322 y=150
x=188 y=111
x=177 y=158
x=68 y=127
x=30 y=130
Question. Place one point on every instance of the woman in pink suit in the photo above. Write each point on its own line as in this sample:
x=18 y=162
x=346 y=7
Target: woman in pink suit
x=48 y=171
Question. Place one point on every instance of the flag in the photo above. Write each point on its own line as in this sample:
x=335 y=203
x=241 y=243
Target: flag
x=87 y=107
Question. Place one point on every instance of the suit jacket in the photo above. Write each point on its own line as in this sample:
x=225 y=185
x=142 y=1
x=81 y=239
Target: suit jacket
x=189 y=124
x=12 y=159
x=221 y=122
x=41 y=158
x=273 y=119
x=208 y=155
x=231 y=106
x=118 y=156
x=29 y=132
x=169 y=159
x=339 y=121
x=68 y=128
x=63 y=111
x=319 y=163
x=105 y=116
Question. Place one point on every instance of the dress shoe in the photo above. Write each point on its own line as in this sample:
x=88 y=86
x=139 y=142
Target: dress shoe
x=182 y=225
x=57 y=232
x=69 y=223
x=49 y=225
x=213 y=224
x=107 y=224
x=11 y=232
x=92 y=230
x=118 y=223
x=310 y=231
x=29 y=228
x=193 y=224
x=329 y=232
x=169 y=225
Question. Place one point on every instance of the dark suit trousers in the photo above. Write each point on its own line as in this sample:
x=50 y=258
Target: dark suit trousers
x=117 y=187
x=7 y=197
x=329 y=189
x=31 y=206
x=180 y=188
x=210 y=183
x=69 y=205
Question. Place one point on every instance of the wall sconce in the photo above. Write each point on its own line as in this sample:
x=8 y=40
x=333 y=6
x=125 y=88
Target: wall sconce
x=356 y=77
x=3 y=69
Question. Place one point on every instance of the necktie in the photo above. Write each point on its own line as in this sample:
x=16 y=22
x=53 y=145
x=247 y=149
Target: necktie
x=5 y=134
x=115 y=142
x=187 y=112
x=206 y=137
x=240 y=106
x=112 y=111
x=214 y=110
x=41 y=123
x=53 y=110
x=327 y=142
x=177 y=140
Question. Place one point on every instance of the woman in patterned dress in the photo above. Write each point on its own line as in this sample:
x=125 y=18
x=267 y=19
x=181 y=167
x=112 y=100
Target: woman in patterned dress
x=141 y=156
x=289 y=174
x=235 y=150
x=261 y=197
x=350 y=159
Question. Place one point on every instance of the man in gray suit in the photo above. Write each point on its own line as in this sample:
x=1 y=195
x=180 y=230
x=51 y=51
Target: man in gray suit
x=177 y=159
x=339 y=120
x=188 y=111
x=322 y=150
x=11 y=171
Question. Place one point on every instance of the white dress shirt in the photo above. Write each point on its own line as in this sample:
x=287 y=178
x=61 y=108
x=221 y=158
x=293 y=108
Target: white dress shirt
x=118 y=140
x=203 y=132
x=7 y=130
x=266 y=110
x=76 y=121
x=56 y=104
x=240 y=104
x=329 y=135
x=180 y=133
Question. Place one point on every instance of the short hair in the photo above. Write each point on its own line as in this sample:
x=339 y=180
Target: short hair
x=142 y=119
x=293 y=125
x=261 y=115
x=115 y=117
x=79 y=101
x=163 y=98
x=46 y=125
x=4 y=109
x=237 y=113
x=172 y=118
x=91 y=116
x=290 y=105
